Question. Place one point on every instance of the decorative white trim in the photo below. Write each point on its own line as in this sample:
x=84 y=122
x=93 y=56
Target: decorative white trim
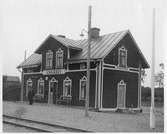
x=110 y=65
x=108 y=109
x=33 y=73
x=125 y=70
x=67 y=79
x=81 y=70
x=68 y=53
x=48 y=65
x=30 y=66
x=84 y=79
x=28 y=81
x=122 y=48
x=121 y=83
x=115 y=109
x=102 y=72
x=43 y=84
x=99 y=86
x=139 y=87
x=96 y=98
x=121 y=68
x=59 y=52
x=133 y=69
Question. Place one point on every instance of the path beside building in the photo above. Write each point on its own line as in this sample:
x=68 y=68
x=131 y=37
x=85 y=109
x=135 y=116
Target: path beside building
x=74 y=117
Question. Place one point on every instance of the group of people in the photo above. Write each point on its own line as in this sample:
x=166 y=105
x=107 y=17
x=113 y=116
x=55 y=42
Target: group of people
x=31 y=94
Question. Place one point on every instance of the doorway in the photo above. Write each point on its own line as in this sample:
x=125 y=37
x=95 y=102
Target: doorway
x=121 y=94
x=53 y=89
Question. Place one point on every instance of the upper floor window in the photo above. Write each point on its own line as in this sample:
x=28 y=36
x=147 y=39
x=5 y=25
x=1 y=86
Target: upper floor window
x=122 y=57
x=82 y=91
x=59 y=58
x=67 y=87
x=28 y=86
x=40 y=89
x=49 y=59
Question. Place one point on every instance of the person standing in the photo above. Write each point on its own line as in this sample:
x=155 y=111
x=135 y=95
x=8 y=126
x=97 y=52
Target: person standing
x=31 y=94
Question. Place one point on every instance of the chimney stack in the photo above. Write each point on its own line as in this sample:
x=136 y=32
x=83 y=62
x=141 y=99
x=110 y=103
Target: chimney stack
x=95 y=32
x=62 y=36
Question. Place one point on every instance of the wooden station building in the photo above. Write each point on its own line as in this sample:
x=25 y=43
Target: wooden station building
x=57 y=71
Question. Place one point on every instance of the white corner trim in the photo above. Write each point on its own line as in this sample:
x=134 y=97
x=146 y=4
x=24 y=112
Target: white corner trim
x=33 y=73
x=119 y=69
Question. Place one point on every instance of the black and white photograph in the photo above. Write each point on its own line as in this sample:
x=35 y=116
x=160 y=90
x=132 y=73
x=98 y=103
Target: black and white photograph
x=83 y=65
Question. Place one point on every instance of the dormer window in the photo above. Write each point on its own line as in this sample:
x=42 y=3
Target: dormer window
x=59 y=58
x=122 y=57
x=49 y=59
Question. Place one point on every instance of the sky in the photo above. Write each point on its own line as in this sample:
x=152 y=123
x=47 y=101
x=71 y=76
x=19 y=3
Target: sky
x=25 y=24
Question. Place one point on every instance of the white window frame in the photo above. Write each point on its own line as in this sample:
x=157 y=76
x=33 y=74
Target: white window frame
x=41 y=81
x=84 y=79
x=64 y=89
x=119 y=58
x=49 y=63
x=121 y=83
x=59 y=63
x=28 y=81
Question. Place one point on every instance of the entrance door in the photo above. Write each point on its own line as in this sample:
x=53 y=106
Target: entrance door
x=121 y=94
x=52 y=91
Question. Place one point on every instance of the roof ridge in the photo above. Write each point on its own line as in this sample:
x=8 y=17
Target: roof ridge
x=87 y=39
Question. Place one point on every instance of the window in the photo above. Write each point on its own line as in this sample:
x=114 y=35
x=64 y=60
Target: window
x=28 y=86
x=49 y=59
x=40 y=90
x=122 y=57
x=67 y=87
x=82 y=91
x=59 y=58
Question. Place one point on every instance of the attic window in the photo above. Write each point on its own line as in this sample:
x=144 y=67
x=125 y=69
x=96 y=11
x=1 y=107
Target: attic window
x=122 y=57
x=49 y=59
x=59 y=58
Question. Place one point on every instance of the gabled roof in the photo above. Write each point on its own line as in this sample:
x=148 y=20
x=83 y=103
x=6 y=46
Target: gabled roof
x=64 y=41
x=34 y=60
x=67 y=42
x=100 y=47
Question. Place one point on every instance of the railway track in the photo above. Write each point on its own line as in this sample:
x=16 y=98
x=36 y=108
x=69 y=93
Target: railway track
x=38 y=126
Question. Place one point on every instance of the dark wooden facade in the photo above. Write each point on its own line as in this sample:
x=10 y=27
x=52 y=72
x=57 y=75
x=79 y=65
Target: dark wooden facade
x=104 y=78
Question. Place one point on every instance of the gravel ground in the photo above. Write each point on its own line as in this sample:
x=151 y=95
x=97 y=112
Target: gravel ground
x=97 y=121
